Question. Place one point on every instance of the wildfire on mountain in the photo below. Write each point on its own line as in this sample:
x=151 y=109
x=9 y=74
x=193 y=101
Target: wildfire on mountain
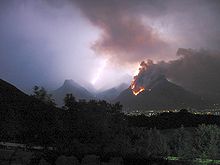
x=136 y=86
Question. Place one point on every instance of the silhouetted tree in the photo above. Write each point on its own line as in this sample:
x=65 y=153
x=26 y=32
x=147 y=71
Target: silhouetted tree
x=70 y=102
x=157 y=144
x=117 y=107
x=206 y=141
x=181 y=144
x=184 y=111
x=41 y=94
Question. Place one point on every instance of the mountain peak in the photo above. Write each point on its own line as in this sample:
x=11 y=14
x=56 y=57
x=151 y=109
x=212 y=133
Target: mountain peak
x=70 y=86
x=68 y=82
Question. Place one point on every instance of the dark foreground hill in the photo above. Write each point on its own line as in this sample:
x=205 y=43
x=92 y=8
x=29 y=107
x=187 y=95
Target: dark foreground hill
x=11 y=95
x=21 y=116
x=12 y=98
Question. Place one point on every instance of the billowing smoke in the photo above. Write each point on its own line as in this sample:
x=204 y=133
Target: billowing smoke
x=195 y=70
x=149 y=75
x=124 y=36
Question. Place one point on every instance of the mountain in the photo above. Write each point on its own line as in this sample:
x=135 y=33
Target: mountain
x=162 y=95
x=112 y=93
x=70 y=86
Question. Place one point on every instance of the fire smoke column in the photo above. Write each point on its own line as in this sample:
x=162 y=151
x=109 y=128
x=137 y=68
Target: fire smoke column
x=137 y=82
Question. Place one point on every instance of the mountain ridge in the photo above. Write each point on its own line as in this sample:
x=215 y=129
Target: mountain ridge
x=111 y=93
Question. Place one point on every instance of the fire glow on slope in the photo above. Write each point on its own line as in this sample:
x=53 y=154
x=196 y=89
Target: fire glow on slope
x=136 y=92
x=136 y=87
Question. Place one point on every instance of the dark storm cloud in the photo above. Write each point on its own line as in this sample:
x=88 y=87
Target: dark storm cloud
x=130 y=40
x=128 y=37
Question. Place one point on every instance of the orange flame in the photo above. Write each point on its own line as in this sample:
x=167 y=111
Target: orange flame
x=136 y=89
x=136 y=92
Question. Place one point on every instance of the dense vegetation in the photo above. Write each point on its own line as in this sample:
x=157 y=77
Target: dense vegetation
x=83 y=127
x=169 y=120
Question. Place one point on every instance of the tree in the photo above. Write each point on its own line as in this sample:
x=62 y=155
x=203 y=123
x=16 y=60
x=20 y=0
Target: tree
x=206 y=141
x=152 y=144
x=181 y=144
x=41 y=94
x=70 y=102
x=117 y=107
x=157 y=144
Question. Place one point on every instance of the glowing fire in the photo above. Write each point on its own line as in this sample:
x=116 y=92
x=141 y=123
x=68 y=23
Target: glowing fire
x=135 y=86
x=137 y=91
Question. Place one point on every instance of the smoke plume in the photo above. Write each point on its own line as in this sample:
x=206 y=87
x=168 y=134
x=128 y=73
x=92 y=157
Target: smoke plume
x=124 y=36
x=195 y=70
x=149 y=75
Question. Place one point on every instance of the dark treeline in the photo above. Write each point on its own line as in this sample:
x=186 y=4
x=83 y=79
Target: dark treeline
x=98 y=127
x=172 y=120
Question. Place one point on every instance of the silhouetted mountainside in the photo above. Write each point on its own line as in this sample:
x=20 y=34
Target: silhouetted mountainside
x=112 y=93
x=9 y=94
x=108 y=94
x=70 y=86
x=162 y=95
x=22 y=115
x=13 y=98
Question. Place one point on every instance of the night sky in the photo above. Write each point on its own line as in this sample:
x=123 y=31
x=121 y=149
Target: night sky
x=44 y=42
